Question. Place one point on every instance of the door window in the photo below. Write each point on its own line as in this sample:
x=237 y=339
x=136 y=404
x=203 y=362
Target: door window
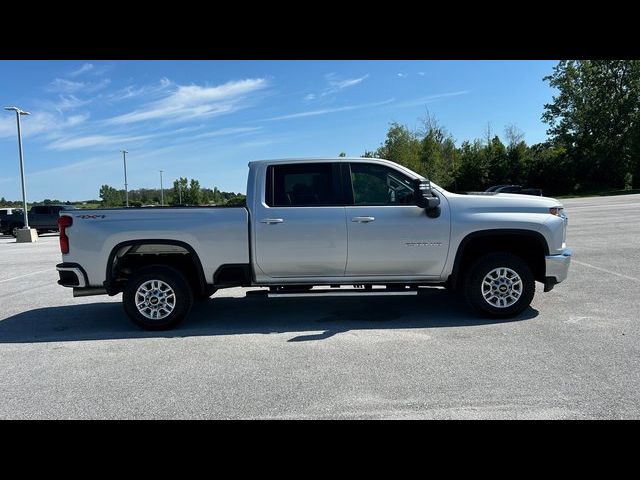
x=379 y=185
x=301 y=185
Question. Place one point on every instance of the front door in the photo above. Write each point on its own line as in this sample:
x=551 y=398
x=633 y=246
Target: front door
x=300 y=227
x=388 y=234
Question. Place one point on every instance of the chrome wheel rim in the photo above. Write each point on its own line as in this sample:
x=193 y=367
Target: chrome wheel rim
x=501 y=287
x=155 y=299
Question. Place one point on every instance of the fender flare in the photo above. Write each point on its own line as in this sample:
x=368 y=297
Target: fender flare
x=453 y=278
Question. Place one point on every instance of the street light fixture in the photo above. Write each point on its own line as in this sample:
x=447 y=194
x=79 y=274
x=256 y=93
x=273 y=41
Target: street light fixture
x=19 y=113
x=126 y=190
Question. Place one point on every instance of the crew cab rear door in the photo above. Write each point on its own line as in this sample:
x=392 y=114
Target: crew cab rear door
x=300 y=225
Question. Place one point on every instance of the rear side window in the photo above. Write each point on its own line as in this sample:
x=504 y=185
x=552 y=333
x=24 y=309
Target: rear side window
x=302 y=185
x=40 y=210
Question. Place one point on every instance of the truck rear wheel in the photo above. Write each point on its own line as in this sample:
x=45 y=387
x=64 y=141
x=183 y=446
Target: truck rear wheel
x=157 y=298
x=499 y=285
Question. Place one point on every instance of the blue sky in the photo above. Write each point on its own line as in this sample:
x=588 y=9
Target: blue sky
x=207 y=119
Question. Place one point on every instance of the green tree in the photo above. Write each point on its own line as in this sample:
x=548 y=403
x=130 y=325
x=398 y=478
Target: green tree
x=238 y=200
x=195 y=194
x=471 y=167
x=437 y=152
x=180 y=187
x=594 y=117
x=496 y=163
x=111 y=197
x=402 y=146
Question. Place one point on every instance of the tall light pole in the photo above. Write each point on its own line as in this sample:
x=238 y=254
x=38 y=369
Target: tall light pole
x=126 y=190
x=161 y=190
x=24 y=189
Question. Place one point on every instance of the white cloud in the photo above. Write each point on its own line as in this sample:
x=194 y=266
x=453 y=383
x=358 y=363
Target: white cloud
x=86 y=67
x=348 y=82
x=310 y=96
x=38 y=123
x=422 y=74
x=133 y=91
x=94 y=141
x=226 y=131
x=337 y=84
x=402 y=75
x=69 y=102
x=192 y=101
x=62 y=85
x=431 y=98
x=74 y=120
x=313 y=113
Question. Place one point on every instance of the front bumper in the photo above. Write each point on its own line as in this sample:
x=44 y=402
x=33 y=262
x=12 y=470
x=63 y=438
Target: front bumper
x=557 y=268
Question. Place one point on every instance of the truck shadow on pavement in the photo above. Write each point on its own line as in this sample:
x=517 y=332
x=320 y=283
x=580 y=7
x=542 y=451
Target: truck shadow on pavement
x=311 y=318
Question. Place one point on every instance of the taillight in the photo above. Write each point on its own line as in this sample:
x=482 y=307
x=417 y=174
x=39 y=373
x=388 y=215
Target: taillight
x=64 y=222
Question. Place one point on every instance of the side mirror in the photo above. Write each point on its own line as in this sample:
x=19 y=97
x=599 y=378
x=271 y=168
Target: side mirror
x=425 y=198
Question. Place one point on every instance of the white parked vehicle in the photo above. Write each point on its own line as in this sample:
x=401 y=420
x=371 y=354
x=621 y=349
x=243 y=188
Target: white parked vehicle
x=355 y=226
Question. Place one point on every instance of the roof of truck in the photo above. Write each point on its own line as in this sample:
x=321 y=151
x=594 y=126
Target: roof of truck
x=315 y=159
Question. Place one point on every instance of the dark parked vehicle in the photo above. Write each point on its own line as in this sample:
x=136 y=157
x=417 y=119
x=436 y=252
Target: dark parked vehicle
x=44 y=218
x=7 y=217
x=514 y=189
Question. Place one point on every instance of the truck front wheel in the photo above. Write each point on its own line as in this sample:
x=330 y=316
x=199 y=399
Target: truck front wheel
x=157 y=297
x=499 y=285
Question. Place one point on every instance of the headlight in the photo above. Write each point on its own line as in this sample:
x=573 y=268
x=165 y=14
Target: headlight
x=557 y=211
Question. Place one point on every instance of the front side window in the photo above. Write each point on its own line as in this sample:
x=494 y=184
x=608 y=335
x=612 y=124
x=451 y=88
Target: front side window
x=301 y=185
x=375 y=184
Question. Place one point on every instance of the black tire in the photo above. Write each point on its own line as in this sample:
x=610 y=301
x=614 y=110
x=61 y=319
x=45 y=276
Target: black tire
x=171 y=277
x=14 y=227
x=210 y=290
x=474 y=283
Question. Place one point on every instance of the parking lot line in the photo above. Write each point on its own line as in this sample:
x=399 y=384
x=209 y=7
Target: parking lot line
x=607 y=271
x=25 y=275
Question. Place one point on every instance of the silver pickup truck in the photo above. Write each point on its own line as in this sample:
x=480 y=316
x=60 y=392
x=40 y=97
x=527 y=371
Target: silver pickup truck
x=347 y=226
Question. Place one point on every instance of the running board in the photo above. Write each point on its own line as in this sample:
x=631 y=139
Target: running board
x=340 y=293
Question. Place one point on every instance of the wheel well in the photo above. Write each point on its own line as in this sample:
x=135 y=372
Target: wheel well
x=128 y=257
x=528 y=245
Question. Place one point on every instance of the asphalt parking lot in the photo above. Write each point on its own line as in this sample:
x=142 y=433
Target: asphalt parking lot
x=574 y=354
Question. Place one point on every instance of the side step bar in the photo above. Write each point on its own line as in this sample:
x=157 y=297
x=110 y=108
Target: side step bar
x=335 y=292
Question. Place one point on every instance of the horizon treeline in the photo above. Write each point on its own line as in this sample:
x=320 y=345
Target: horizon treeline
x=184 y=192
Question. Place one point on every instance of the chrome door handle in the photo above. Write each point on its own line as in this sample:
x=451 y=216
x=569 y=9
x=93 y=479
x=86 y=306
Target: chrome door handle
x=271 y=220
x=363 y=219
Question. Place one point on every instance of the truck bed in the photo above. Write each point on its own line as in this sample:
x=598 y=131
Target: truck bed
x=217 y=235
